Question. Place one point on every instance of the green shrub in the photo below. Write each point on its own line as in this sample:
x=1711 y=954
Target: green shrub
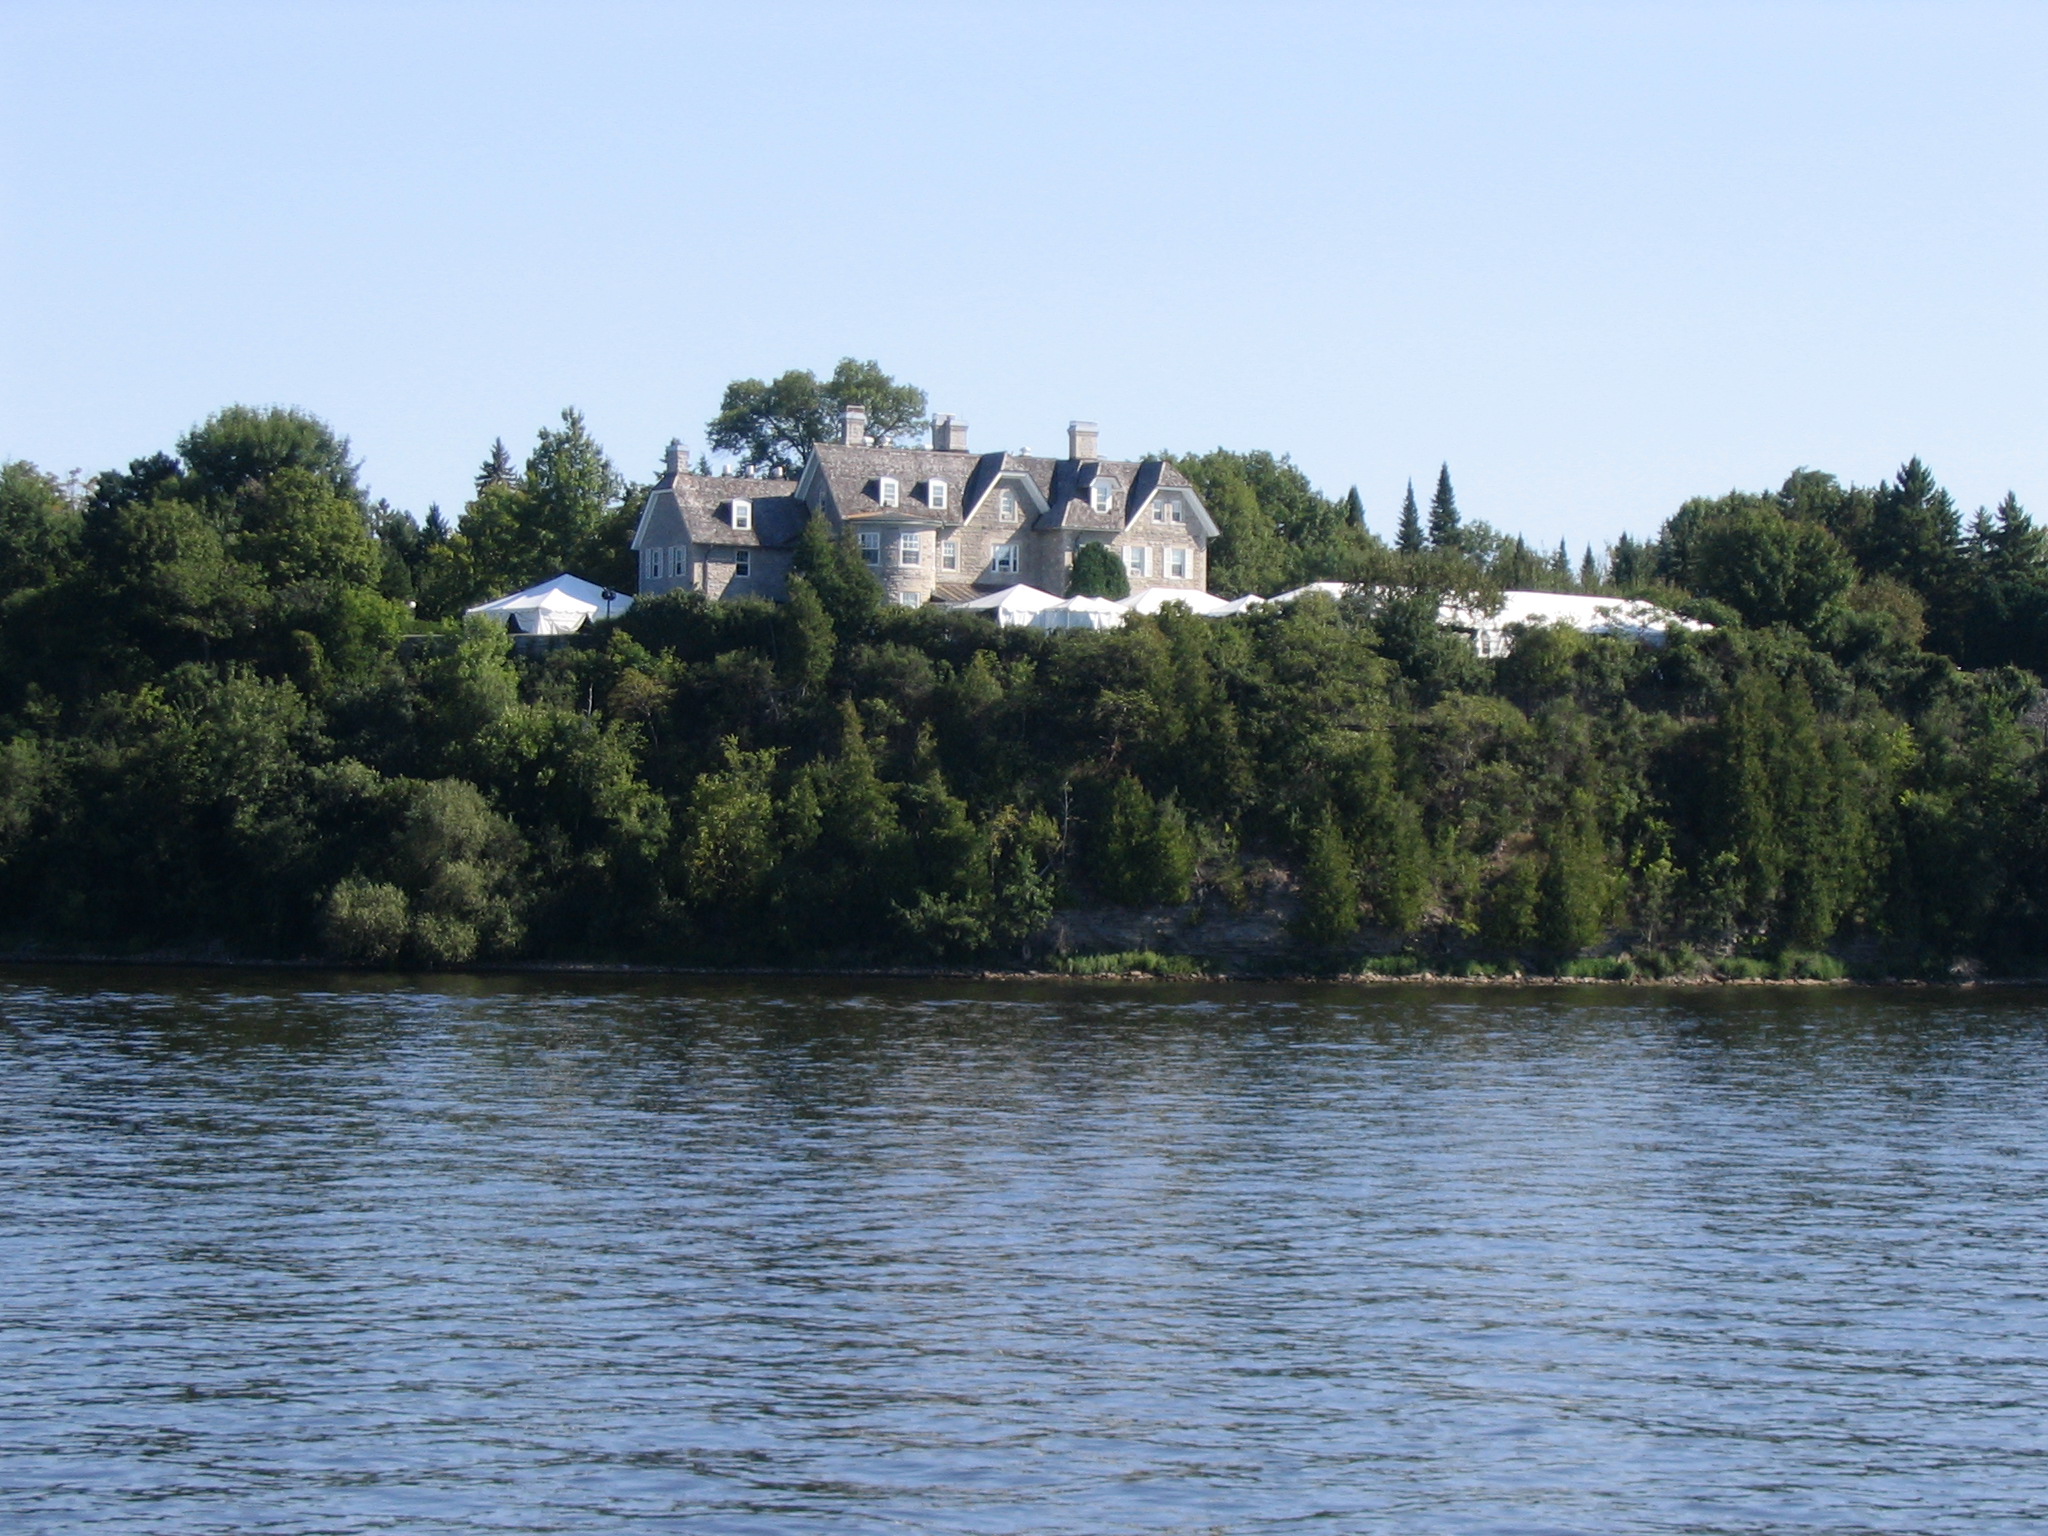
x=364 y=920
x=1390 y=965
x=1139 y=961
x=443 y=940
x=1805 y=965
x=1329 y=887
x=1144 y=851
x=1098 y=571
x=1744 y=968
x=1598 y=968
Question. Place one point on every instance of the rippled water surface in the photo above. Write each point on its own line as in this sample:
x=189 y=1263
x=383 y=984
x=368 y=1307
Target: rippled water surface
x=287 y=1254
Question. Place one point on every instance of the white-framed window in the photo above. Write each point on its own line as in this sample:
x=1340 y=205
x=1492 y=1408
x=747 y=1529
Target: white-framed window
x=1101 y=493
x=1006 y=505
x=652 y=560
x=1166 y=509
x=1177 y=564
x=935 y=495
x=742 y=513
x=1005 y=562
x=909 y=600
x=1138 y=559
x=871 y=546
x=910 y=547
x=676 y=570
x=743 y=562
x=949 y=555
x=886 y=491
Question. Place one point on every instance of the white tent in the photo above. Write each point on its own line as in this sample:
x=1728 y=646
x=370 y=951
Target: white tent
x=558 y=606
x=1013 y=605
x=1155 y=598
x=1629 y=618
x=1333 y=590
x=1080 y=613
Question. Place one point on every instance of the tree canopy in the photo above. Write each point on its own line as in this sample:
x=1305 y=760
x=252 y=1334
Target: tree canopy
x=211 y=685
x=771 y=426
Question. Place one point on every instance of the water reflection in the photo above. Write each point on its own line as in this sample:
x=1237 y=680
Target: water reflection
x=304 y=1253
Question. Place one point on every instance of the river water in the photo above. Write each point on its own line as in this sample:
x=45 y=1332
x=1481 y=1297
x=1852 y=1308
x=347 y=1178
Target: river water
x=310 y=1254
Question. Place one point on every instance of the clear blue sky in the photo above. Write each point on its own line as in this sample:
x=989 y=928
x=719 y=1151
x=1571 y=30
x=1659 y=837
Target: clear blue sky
x=1598 y=257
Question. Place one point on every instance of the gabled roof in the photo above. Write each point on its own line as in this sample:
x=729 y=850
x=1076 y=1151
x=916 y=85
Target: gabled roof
x=993 y=468
x=704 y=503
x=1155 y=475
x=852 y=475
x=1059 y=488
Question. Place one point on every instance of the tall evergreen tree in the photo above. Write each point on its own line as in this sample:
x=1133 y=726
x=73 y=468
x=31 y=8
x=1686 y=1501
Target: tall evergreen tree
x=1409 y=539
x=1443 y=513
x=1589 y=572
x=1914 y=533
x=497 y=469
x=1354 y=510
x=1625 y=562
x=2010 y=543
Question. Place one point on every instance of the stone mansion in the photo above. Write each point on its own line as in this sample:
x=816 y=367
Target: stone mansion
x=937 y=524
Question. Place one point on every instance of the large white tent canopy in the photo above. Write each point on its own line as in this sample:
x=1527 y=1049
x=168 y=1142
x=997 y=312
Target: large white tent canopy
x=1492 y=633
x=561 y=605
x=1013 y=605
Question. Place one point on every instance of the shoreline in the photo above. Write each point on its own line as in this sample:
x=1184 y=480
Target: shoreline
x=178 y=960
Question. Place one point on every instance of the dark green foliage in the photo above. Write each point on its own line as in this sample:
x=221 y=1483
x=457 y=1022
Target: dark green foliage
x=1143 y=853
x=1097 y=572
x=1409 y=539
x=1444 y=530
x=848 y=591
x=1329 y=887
x=1277 y=530
x=38 y=529
x=1576 y=888
x=771 y=426
x=244 y=446
x=1771 y=569
x=217 y=734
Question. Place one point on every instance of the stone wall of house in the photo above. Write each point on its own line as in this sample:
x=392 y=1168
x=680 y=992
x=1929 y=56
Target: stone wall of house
x=907 y=584
x=677 y=567
x=717 y=573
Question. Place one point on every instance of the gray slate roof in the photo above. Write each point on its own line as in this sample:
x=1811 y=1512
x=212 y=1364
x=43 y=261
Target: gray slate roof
x=705 y=505
x=852 y=476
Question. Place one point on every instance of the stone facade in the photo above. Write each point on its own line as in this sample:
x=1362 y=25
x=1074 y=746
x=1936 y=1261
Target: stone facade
x=933 y=523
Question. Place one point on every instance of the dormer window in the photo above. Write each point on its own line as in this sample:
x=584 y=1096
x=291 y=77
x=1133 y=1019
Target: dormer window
x=886 y=492
x=935 y=494
x=1167 y=510
x=742 y=513
x=1100 y=494
x=1006 y=506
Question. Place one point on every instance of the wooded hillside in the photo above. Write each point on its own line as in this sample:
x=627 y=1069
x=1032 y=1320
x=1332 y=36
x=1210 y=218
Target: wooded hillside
x=235 y=716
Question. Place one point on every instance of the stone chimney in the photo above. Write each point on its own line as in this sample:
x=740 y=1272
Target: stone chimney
x=677 y=462
x=1081 y=440
x=948 y=435
x=853 y=426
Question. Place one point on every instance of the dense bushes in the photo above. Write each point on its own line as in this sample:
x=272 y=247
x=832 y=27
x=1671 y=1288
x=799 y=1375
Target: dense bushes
x=219 y=728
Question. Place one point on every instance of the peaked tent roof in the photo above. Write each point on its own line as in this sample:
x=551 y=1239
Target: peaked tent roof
x=557 y=606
